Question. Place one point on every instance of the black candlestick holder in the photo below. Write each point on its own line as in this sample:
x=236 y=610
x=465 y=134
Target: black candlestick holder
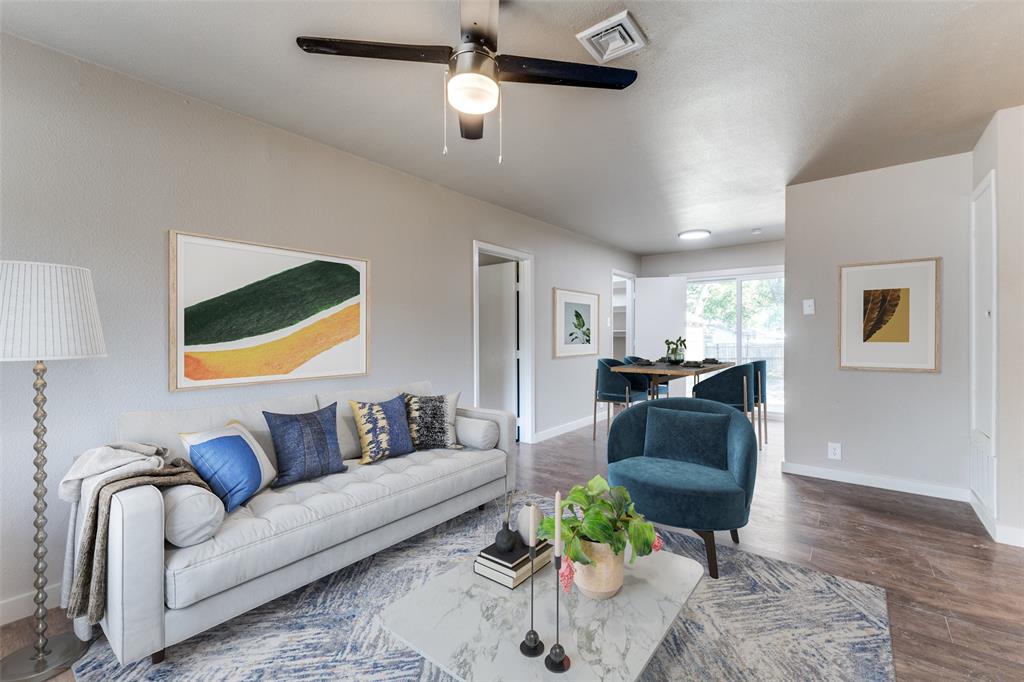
x=531 y=645
x=556 y=661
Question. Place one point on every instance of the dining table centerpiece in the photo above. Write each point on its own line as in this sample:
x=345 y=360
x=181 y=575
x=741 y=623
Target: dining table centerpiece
x=601 y=523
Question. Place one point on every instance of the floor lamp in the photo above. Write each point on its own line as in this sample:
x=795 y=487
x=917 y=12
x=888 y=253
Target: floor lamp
x=47 y=312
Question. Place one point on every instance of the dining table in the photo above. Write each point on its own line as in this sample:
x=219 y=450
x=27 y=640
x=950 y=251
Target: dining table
x=662 y=372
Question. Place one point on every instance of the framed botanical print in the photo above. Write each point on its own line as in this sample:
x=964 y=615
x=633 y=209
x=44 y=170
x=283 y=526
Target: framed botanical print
x=243 y=313
x=576 y=324
x=889 y=315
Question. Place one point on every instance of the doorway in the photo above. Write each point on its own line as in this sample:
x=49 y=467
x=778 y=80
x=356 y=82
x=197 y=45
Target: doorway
x=623 y=314
x=503 y=333
x=984 y=351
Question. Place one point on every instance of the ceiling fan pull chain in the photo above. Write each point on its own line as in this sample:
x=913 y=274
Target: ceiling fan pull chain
x=444 y=113
x=499 y=127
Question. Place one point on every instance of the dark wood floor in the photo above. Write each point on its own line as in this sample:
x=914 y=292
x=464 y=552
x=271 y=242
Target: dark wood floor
x=956 y=599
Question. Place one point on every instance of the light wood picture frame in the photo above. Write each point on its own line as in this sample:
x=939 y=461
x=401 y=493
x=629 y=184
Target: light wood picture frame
x=244 y=313
x=576 y=322
x=889 y=316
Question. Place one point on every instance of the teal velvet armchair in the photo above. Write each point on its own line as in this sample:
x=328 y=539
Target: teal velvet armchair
x=700 y=477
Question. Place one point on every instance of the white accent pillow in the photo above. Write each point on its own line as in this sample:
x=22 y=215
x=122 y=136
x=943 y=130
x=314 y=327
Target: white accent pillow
x=479 y=434
x=191 y=515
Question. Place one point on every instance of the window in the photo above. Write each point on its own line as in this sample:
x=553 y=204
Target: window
x=740 y=319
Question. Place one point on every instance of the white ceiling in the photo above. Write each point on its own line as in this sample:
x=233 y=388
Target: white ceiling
x=733 y=102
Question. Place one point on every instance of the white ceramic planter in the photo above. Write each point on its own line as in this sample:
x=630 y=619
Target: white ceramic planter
x=603 y=577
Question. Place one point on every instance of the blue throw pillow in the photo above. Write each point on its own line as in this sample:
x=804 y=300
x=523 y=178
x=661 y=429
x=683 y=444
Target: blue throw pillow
x=695 y=437
x=383 y=429
x=306 y=444
x=231 y=462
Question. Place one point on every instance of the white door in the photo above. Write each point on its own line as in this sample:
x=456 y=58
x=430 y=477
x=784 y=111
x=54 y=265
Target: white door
x=983 y=348
x=660 y=313
x=498 y=369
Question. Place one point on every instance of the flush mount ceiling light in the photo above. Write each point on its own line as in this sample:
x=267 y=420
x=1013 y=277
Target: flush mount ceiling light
x=694 y=234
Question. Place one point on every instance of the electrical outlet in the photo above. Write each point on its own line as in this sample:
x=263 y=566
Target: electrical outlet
x=808 y=306
x=835 y=450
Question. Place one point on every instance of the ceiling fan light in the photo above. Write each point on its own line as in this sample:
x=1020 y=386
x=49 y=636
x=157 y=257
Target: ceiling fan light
x=694 y=234
x=472 y=93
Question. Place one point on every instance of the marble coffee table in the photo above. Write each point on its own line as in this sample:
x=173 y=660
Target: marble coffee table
x=472 y=627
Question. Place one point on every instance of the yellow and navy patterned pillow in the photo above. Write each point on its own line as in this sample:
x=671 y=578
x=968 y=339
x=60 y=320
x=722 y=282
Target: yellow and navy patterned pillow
x=383 y=429
x=432 y=420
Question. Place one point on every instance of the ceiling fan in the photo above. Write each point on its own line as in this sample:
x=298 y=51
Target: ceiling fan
x=475 y=66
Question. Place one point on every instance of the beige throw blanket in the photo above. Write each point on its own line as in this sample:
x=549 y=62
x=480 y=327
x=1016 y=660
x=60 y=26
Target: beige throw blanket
x=89 y=589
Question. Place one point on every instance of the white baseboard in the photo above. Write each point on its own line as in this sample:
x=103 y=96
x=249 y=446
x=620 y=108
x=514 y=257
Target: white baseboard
x=22 y=605
x=984 y=514
x=901 y=485
x=567 y=427
x=1010 y=535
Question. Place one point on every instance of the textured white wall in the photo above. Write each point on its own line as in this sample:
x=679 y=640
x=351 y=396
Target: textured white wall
x=760 y=255
x=898 y=425
x=1001 y=147
x=97 y=167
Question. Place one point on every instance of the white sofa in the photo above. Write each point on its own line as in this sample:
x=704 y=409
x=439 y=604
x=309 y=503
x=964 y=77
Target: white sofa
x=283 y=538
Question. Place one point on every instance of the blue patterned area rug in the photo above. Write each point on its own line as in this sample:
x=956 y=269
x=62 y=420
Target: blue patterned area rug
x=762 y=620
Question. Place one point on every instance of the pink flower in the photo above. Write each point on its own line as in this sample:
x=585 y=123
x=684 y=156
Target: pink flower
x=566 y=574
x=658 y=543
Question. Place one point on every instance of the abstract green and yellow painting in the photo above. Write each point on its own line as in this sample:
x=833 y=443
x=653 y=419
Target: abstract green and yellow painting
x=246 y=313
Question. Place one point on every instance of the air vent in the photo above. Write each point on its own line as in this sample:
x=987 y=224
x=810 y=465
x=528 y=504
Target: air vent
x=612 y=38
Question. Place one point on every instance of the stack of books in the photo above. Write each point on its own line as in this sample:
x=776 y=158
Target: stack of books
x=511 y=568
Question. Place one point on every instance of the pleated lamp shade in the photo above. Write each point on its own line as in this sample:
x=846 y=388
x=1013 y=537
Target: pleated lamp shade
x=48 y=312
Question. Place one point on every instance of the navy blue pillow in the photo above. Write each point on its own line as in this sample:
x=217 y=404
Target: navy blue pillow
x=306 y=445
x=695 y=437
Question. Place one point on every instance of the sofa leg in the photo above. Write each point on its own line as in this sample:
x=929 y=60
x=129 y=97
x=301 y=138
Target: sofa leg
x=709 y=547
x=735 y=533
x=481 y=507
x=158 y=657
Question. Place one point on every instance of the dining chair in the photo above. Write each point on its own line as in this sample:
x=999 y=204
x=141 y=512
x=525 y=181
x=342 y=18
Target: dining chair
x=761 y=398
x=662 y=387
x=733 y=386
x=614 y=389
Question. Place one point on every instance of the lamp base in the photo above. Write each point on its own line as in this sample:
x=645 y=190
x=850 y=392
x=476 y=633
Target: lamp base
x=531 y=646
x=20 y=666
x=557 y=666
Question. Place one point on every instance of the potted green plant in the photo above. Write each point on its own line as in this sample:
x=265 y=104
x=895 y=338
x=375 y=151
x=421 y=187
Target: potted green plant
x=595 y=532
x=675 y=351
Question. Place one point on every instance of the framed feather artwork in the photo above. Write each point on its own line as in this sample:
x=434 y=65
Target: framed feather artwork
x=243 y=313
x=889 y=315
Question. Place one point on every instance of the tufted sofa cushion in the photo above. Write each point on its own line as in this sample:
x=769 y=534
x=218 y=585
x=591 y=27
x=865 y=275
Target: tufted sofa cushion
x=283 y=525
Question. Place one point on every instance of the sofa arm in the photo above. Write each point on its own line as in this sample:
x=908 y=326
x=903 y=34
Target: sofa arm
x=506 y=422
x=134 y=618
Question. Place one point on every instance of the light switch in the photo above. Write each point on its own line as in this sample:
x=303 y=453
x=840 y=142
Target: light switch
x=808 y=306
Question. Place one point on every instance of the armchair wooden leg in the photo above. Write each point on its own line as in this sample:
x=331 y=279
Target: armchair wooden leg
x=735 y=534
x=158 y=657
x=709 y=547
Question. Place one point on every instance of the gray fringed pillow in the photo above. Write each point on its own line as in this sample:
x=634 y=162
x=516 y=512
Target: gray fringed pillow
x=432 y=420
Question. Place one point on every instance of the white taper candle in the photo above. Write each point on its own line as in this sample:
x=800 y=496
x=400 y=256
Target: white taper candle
x=558 y=523
x=534 y=513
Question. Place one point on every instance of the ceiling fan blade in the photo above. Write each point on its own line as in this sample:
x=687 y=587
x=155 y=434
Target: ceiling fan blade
x=513 y=69
x=478 y=22
x=471 y=126
x=433 y=54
